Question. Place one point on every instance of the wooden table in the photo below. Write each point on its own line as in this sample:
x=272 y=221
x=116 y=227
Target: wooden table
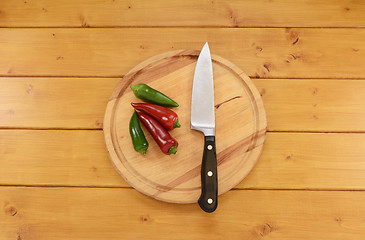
x=60 y=61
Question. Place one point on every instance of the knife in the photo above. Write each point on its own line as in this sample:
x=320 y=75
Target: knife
x=203 y=119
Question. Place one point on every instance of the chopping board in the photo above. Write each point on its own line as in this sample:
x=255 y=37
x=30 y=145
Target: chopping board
x=240 y=128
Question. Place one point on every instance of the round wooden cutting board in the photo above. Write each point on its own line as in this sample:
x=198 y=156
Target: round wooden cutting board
x=240 y=128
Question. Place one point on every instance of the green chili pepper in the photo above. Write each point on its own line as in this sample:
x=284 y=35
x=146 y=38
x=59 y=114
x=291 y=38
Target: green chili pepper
x=151 y=95
x=140 y=143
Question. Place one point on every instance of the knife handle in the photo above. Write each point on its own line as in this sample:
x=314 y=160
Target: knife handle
x=208 y=200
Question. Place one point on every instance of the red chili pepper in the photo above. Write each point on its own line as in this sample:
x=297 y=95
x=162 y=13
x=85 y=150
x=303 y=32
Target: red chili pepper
x=167 y=144
x=165 y=116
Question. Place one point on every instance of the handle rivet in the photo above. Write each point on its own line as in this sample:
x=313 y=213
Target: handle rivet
x=210 y=147
x=210 y=201
x=210 y=173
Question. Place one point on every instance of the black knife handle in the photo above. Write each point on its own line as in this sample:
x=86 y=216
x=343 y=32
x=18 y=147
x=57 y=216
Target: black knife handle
x=208 y=200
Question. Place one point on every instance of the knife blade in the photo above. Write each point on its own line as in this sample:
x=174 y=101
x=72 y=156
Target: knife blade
x=203 y=119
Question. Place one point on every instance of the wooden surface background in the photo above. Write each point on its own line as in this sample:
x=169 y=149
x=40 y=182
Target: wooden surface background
x=60 y=61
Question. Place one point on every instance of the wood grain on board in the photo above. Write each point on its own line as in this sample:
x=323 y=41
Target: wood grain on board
x=291 y=104
x=218 y=13
x=93 y=213
x=79 y=158
x=261 y=52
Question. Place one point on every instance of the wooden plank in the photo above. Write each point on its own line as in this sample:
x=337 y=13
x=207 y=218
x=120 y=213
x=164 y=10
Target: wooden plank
x=54 y=102
x=262 y=53
x=89 y=213
x=79 y=158
x=56 y=157
x=314 y=105
x=310 y=161
x=234 y=13
x=291 y=104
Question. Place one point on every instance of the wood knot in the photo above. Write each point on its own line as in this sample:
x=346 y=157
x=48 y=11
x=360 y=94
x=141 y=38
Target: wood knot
x=233 y=18
x=295 y=41
x=315 y=91
x=266 y=229
x=294 y=56
x=262 y=92
x=98 y=124
x=259 y=49
x=292 y=35
x=83 y=21
x=11 y=112
x=267 y=66
x=144 y=218
x=338 y=219
x=30 y=88
x=11 y=211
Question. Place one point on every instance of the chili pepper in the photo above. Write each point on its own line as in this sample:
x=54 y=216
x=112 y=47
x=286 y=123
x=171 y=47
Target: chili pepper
x=140 y=143
x=167 y=144
x=165 y=116
x=151 y=95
